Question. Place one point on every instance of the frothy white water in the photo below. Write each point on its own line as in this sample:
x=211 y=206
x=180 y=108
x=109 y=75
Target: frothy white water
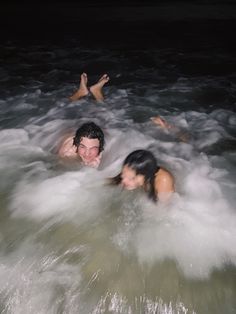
x=42 y=282
x=197 y=229
x=63 y=196
x=38 y=281
x=16 y=153
x=41 y=193
x=70 y=243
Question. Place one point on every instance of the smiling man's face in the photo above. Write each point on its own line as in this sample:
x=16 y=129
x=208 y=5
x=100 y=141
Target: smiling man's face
x=88 y=149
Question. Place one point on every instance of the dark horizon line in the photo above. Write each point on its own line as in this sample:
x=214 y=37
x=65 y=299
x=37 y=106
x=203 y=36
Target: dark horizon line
x=118 y=2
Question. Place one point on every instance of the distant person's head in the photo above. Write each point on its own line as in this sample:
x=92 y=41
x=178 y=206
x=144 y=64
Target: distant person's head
x=89 y=140
x=138 y=170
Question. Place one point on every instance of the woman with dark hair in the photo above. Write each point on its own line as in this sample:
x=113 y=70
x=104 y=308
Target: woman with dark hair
x=140 y=169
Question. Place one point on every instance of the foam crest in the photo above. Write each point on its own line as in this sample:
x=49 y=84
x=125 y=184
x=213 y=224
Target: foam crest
x=50 y=134
x=13 y=137
x=119 y=145
x=66 y=196
x=16 y=154
x=197 y=229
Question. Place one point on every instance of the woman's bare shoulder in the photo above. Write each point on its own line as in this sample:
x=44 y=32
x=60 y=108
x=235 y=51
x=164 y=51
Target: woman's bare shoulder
x=164 y=174
x=164 y=184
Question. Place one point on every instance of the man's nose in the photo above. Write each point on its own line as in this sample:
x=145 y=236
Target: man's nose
x=87 y=152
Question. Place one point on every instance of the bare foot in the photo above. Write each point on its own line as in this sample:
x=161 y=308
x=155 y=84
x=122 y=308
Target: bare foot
x=83 y=90
x=96 y=89
x=181 y=135
x=161 y=122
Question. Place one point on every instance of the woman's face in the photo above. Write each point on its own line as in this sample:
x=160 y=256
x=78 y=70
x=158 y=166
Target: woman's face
x=130 y=180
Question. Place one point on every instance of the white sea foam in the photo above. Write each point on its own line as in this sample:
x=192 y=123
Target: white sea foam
x=71 y=243
x=28 y=283
x=197 y=229
x=63 y=196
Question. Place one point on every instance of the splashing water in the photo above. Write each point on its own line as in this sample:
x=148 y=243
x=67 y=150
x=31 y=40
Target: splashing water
x=69 y=242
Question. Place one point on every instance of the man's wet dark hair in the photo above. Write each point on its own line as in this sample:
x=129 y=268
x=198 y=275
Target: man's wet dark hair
x=92 y=131
x=142 y=162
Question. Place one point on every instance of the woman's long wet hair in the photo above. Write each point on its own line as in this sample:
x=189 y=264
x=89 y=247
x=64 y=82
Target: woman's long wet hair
x=92 y=131
x=142 y=162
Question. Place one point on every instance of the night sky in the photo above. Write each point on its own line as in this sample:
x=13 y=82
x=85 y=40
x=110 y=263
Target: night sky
x=134 y=21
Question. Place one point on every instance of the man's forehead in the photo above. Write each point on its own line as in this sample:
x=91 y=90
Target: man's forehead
x=89 y=142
